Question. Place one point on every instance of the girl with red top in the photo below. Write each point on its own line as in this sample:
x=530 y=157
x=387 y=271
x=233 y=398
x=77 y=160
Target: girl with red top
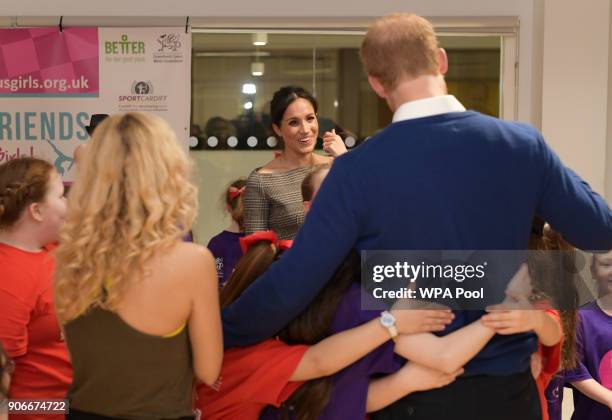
x=32 y=209
x=548 y=282
x=274 y=372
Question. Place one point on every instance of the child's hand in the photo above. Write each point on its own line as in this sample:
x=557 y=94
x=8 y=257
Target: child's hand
x=411 y=321
x=333 y=144
x=422 y=378
x=514 y=315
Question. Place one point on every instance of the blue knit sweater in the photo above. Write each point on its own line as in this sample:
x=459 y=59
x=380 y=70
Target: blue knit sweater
x=448 y=182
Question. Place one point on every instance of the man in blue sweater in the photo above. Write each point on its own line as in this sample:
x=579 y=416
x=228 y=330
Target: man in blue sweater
x=438 y=178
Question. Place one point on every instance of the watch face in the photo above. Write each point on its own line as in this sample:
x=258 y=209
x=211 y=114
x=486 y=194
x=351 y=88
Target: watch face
x=387 y=320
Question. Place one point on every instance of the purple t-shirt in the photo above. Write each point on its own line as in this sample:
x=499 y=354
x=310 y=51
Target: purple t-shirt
x=350 y=385
x=226 y=249
x=594 y=349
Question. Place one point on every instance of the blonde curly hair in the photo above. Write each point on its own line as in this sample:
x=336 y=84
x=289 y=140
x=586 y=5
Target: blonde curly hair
x=132 y=199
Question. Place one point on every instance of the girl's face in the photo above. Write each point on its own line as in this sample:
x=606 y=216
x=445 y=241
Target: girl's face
x=51 y=212
x=299 y=127
x=602 y=272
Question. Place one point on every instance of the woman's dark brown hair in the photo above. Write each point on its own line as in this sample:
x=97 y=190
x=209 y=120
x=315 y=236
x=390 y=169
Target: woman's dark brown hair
x=553 y=277
x=310 y=327
x=22 y=182
x=284 y=97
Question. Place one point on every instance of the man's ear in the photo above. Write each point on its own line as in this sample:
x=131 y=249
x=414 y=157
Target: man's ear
x=377 y=87
x=306 y=205
x=442 y=61
x=35 y=211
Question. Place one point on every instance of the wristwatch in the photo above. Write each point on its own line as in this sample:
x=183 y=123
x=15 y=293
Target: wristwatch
x=387 y=320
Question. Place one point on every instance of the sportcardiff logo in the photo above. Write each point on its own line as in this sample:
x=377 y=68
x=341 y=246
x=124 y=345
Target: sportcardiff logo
x=141 y=87
x=142 y=94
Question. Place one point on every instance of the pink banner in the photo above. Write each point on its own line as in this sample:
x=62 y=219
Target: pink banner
x=47 y=62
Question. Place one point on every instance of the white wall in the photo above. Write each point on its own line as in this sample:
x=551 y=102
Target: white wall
x=315 y=10
x=575 y=86
x=240 y=8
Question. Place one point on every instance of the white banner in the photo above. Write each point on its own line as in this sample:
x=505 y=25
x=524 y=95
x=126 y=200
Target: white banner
x=49 y=86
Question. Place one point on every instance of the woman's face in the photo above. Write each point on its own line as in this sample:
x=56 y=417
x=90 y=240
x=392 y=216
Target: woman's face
x=299 y=127
x=602 y=272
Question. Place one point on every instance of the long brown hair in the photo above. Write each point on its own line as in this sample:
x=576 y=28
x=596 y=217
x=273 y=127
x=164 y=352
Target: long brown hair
x=6 y=368
x=310 y=327
x=555 y=280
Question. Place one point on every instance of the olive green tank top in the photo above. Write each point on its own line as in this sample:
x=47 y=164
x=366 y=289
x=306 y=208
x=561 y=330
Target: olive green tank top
x=121 y=372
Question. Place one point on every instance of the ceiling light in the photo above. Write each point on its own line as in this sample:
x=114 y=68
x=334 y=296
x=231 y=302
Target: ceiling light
x=260 y=38
x=257 y=68
x=249 y=89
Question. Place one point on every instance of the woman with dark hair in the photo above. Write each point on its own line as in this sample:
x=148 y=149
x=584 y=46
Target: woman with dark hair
x=273 y=200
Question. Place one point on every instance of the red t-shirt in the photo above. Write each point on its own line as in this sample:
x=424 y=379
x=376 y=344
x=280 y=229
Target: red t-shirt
x=551 y=362
x=251 y=378
x=29 y=329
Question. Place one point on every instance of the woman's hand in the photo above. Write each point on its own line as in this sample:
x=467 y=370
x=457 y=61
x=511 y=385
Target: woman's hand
x=333 y=144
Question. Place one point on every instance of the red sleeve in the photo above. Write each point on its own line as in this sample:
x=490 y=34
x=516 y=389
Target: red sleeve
x=14 y=320
x=20 y=288
x=278 y=361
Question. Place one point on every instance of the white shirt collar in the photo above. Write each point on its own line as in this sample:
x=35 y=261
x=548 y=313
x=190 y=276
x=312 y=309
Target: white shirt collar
x=427 y=107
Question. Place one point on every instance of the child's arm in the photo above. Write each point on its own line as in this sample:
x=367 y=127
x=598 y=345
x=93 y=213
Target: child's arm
x=410 y=378
x=446 y=353
x=340 y=350
x=595 y=391
x=205 y=333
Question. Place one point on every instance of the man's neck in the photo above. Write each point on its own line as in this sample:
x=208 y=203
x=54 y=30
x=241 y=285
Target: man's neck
x=422 y=87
